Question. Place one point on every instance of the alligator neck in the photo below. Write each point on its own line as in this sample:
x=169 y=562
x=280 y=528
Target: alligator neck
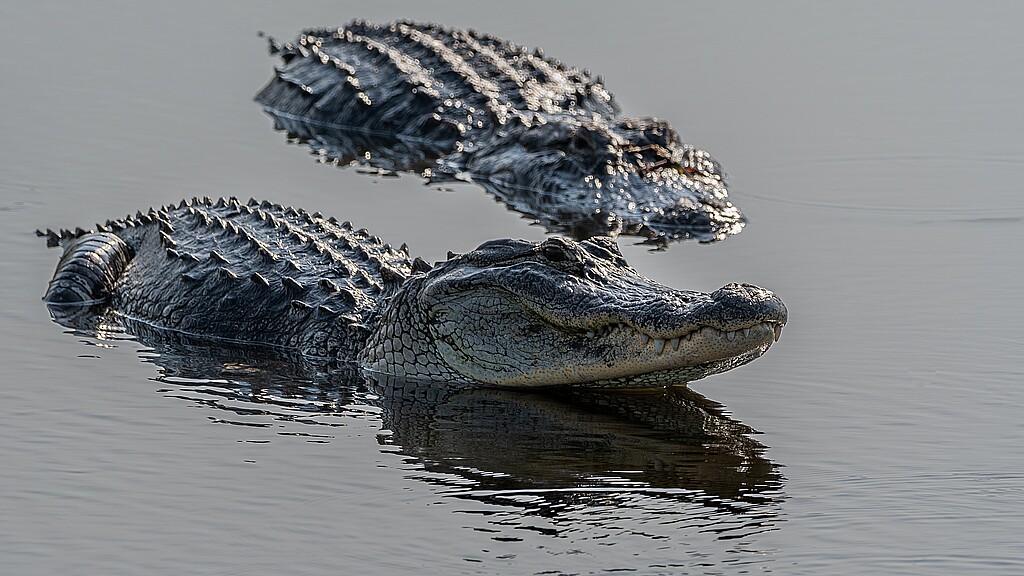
x=402 y=343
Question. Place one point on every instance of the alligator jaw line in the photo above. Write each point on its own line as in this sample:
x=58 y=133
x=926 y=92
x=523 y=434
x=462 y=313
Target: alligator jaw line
x=663 y=344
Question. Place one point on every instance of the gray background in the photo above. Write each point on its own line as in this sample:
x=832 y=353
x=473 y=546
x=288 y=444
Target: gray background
x=876 y=148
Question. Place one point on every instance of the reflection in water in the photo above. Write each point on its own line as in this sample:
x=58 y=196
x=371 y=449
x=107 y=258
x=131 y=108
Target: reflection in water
x=577 y=461
x=550 y=462
x=519 y=440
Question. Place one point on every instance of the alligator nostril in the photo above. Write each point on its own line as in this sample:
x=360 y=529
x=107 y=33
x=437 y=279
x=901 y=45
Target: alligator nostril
x=731 y=290
x=750 y=300
x=743 y=291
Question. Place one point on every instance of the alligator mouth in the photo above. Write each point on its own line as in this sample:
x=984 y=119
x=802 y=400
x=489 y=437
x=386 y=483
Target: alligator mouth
x=620 y=355
x=662 y=345
x=686 y=356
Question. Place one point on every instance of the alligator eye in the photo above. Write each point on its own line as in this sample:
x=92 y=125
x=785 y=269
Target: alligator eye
x=554 y=253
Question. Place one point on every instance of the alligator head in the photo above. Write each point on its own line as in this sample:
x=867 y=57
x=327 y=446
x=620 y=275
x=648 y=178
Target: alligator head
x=634 y=175
x=518 y=313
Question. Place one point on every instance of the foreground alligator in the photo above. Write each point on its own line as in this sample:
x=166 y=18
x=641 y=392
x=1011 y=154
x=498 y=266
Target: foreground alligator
x=510 y=313
x=544 y=138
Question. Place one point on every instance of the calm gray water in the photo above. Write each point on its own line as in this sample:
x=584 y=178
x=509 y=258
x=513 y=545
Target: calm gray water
x=877 y=149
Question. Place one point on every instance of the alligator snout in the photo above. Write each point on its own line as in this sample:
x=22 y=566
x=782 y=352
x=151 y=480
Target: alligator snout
x=742 y=290
x=749 y=301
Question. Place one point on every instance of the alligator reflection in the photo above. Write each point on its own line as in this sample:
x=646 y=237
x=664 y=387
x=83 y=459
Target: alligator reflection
x=518 y=440
x=546 y=451
x=658 y=220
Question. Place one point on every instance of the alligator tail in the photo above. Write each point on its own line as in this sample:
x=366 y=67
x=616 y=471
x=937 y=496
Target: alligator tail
x=90 y=267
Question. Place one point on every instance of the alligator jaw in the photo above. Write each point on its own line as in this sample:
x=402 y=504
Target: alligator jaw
x=626 y=331
x=664 y=345
x=655 y=334
x=643 y=360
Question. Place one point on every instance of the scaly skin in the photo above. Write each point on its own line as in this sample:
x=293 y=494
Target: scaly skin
x=510 y=313
x=546 y=139
x=516 y=313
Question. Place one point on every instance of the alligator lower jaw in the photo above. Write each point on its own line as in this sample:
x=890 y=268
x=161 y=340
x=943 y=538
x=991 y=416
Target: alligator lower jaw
x=699 y=347
x=644 y=361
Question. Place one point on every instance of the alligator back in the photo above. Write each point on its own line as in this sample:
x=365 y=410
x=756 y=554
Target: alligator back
x=419 y=81
x=256 y=273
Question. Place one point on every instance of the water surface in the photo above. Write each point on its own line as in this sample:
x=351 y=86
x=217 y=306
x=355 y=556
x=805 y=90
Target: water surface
x=874 y=147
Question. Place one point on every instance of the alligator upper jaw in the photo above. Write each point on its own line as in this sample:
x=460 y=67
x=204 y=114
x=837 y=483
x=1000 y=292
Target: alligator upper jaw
x=657 y=312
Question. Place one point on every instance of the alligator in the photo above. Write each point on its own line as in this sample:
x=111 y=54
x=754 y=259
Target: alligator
x=510 y=313
x=545 y=138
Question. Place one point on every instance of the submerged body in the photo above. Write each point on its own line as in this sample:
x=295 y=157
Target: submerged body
x=510 y=313
x=546 y=139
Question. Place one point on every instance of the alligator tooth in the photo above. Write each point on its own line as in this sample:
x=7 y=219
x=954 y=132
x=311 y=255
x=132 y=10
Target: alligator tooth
x=746 y=331
x=644 y=339
x=675 y=343
x=778 y=332
x=659 y=345
x=730 y=336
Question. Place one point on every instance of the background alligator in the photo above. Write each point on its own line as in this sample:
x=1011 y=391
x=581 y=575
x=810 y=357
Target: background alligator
x=544 y=138
x=510 y=313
